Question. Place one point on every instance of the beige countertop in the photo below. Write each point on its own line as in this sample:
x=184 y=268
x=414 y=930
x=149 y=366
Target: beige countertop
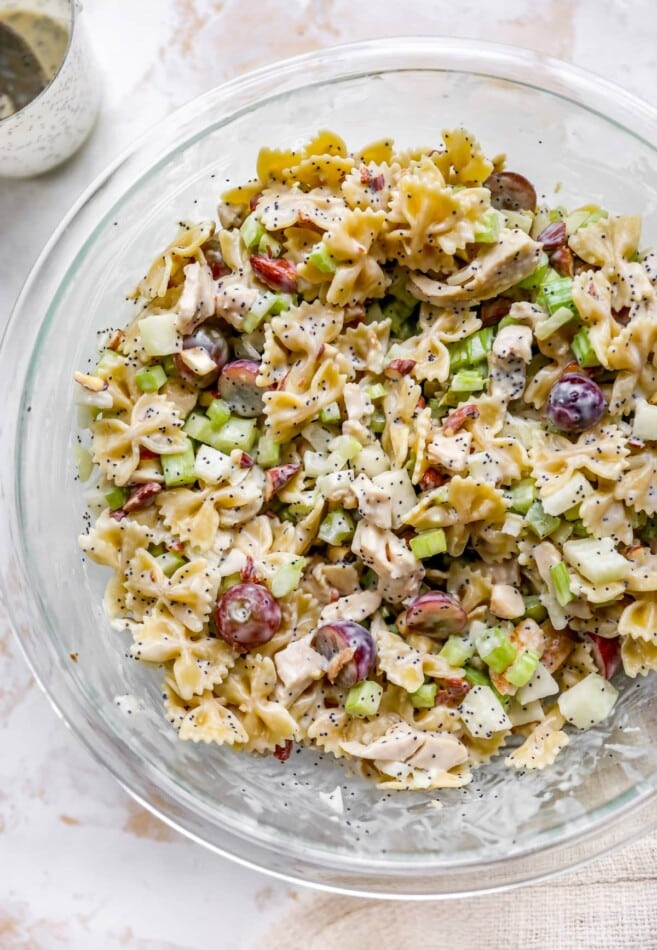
x=82 y=865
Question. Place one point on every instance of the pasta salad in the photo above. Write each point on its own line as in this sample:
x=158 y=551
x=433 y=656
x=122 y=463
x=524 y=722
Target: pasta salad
x=373 y=464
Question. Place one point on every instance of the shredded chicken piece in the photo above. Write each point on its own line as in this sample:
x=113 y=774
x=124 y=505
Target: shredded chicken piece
x=512 y=351
x=196 y=302
x=357 y=606
x=514 y=257
x=397 y=569
x=233 y=299
x=374 y=503
x=452 y=452
x=359 y=412
x=298 y=665
x=506 y=602
x=439 y=751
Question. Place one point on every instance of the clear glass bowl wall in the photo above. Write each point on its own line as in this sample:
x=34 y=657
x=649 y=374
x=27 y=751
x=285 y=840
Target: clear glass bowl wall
x=577 y=139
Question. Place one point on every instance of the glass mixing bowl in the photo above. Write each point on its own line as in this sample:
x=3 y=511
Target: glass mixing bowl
x=567 y=131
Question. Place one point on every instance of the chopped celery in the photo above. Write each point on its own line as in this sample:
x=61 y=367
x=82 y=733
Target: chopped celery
x=179 y=469
x=535 y=279
x=476 y=677
x=545 y=328
x=258 y=311
x=363 y=699
x=534 y=609
x=347 y=447
x=159 y=334
x=425 y=696
x=429 y=543
x=236 y=434
x=229 y=581
x=283 y=302
x=116 y=497
x=287 y=577
x=557 y=214
x=251 y=230
x=218 y=412
x=84 y=462
x=555 y=293
x=320 y=258
x=487 y=229
x=597 y=560
x=479 y=345
x=269 y=452
x=198 y=426
x=330 y=414
x=508 y=321
x=495 y=649
x=467 y=381
x=522 y=220
x=169 y=365
x=336 y=528
x=376 y=391
x=541 y=523
x=151 y=378
x=522 y=495
x=573 y=513
x=169 y=562
x=109 y=360
x=269 y=245
x=584 y=352
x=156 y=549
x=457 y=650
x=523 y=668
x=378 y=421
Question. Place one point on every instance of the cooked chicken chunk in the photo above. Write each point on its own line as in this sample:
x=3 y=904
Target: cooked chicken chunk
x=397 y=569
x=514 y=257
x=196 y=302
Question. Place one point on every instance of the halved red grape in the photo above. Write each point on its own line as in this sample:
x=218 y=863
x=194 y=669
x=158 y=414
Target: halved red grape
x=247 y=616
x=510 y=191
x=350 y=650
x=575 y=403
x=211 y=340
x=237 y=385
x=606 y=653
x=436 y=614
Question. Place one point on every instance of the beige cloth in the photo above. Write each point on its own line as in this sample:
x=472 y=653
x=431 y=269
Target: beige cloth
x=610 y=904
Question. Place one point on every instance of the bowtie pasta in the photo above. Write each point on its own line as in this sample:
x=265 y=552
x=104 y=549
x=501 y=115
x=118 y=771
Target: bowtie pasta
x=373 y=465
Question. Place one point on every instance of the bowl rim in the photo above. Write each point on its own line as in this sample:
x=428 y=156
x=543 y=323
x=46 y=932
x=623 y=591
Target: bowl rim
x=339 y=62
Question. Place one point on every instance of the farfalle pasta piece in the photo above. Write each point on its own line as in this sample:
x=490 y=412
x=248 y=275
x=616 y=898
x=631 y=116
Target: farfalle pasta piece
x=639 y=656
x=358 y=276
x=113 y=542
x=462 y=161
x=282 y=208
x=601 y=452
x=154 y=425
x=542 y=746
x=370 y=185
x=399 y=406
x=198 y=664
x=638 y=486
x=482 y=750
x=638 y=620
x=428 y=221
x=462 y=501
x=188 y=595
x=605 y=517
x=365 y=346
x=249 y=689
x=611 y=244
x=196 y=515
x=186 y=246
x=580 y=663
x=203 y=718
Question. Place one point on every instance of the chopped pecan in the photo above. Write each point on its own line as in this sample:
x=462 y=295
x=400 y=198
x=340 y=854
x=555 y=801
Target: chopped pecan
x=282 y=752
x=278 y=274
x=492 y=311
x=141 y=496
x=432 y=478
x=562 y=261
x=457 y=419
x=553 y=236
x=398 y=368
x=452 y=693
x=278 y=476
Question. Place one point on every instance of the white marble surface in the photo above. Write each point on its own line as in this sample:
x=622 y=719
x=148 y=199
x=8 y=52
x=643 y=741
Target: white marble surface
x=81 y=865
